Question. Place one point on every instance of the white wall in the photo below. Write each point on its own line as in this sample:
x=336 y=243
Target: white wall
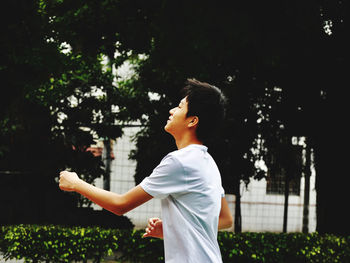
x=260 y=212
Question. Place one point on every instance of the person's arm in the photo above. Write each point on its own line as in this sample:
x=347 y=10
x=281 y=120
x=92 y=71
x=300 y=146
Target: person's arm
x=118 y=204
x=225 y=217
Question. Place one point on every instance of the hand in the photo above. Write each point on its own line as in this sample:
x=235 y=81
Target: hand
x=154 y=228
x=68 y=181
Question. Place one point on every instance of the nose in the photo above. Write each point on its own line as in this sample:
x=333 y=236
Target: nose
x=171 y=111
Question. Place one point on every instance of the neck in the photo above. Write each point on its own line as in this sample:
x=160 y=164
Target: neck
x=186 y=140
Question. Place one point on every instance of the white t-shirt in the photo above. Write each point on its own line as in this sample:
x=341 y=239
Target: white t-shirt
x=189 y=184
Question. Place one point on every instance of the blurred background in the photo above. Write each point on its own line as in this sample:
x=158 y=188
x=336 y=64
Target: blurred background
x=87 y=86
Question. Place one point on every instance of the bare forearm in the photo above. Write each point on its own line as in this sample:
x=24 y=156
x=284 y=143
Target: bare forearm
x=106 y=199
x=116 y=203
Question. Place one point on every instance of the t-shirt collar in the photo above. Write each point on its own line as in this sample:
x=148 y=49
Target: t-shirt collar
x=199 y=146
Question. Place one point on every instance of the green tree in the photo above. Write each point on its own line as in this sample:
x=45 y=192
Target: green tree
x=50 y=113
x=282 y=66
x=252 y=50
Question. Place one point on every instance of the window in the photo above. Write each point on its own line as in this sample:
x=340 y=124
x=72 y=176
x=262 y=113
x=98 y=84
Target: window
x=276 y=180
x=276 y=184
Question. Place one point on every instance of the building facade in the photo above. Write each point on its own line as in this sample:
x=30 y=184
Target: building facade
x=262 y=204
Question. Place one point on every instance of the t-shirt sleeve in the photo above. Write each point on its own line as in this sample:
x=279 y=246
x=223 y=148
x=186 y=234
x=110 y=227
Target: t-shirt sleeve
x=167 y=178
x=222 y=192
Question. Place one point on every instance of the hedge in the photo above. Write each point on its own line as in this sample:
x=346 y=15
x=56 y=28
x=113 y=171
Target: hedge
x=49 y=243
x=283 y=247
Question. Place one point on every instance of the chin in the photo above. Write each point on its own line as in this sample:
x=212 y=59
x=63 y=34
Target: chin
x=166 y=128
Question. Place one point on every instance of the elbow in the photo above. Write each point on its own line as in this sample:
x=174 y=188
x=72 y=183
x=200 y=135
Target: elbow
x=229 y=222
x=119 y=211
x=226 y=222
x=119 y=208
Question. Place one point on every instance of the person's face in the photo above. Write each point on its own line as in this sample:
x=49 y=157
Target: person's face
x=178 y=121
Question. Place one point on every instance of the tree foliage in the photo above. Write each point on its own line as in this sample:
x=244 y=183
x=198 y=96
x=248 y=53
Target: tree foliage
x=60 y=91
x=282 y=66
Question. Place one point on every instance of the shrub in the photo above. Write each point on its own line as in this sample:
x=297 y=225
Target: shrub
x=56 y=244
x=283 y=247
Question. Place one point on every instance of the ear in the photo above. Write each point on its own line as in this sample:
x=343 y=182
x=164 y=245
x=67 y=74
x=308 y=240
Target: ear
x=193 y=121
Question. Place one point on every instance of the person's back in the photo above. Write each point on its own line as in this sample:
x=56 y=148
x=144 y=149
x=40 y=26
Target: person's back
x=189 y=184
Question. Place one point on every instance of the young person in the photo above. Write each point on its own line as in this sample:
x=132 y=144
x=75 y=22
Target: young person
x=187 y=181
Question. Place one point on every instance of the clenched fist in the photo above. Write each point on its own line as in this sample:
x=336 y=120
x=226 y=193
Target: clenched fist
x=68 y=181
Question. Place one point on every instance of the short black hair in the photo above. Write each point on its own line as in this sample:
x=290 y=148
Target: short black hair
x=207 y=102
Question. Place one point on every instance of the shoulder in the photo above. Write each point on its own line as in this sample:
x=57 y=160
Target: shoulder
x=167 y=178
x=169 y=164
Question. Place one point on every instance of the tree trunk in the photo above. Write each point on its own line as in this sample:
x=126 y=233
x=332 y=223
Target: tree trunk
x=307 y=175
x=107 y=161
x=238 y=215
x=286 y=197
